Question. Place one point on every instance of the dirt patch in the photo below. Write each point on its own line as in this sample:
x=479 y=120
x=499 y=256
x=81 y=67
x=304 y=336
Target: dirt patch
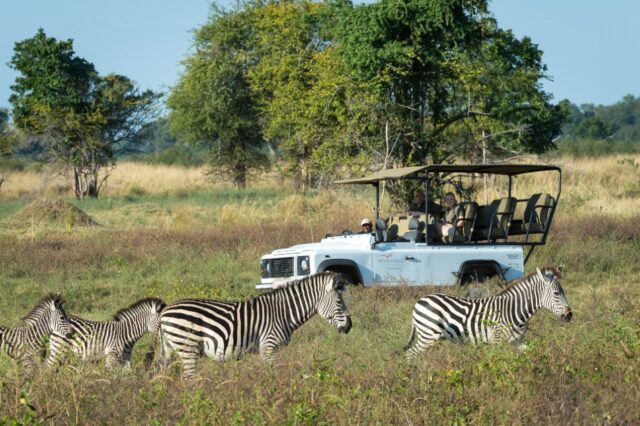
x=44 y=211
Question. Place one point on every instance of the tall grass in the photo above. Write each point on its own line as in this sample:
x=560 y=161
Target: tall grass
x=206 y=243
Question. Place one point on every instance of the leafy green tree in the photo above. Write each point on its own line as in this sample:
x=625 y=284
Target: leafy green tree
x=496 y=106
x=5 y=141
x=308 y=103
x=83 y=119
x=213 y=105
x=443 y=70
x=594 y=128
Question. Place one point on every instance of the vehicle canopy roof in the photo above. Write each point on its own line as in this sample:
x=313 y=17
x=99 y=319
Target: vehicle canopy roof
x=415 y=172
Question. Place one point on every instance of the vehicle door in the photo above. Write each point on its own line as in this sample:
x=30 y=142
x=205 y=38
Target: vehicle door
x=396 y=263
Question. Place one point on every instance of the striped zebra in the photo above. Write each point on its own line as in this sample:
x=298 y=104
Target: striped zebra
x=113 y=340
x=225 y=330
x=503 y=317
x=27 y=342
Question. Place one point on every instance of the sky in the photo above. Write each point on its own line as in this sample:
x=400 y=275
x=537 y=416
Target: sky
x=591 y=48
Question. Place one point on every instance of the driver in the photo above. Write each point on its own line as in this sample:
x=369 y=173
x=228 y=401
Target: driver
x=365 y=226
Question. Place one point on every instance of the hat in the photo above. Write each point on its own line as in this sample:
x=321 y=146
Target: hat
x=365 y=221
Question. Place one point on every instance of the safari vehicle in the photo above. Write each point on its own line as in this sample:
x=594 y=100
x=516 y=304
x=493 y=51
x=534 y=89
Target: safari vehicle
x=403 y=249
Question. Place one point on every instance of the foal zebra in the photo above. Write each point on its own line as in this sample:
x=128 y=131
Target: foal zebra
x=26 y=342
x=114 y=339
x=492 y=319
x=224 y=330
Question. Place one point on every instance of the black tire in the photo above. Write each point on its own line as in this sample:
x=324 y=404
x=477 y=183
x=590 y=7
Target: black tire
x=345 y=275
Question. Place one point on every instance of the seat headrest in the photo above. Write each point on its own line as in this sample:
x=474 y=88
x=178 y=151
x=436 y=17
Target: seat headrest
x=381 y=224
x=414 y=224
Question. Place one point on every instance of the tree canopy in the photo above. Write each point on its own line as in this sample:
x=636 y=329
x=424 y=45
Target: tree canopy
x=213 y=104
x=332 y=86
x=82 y=118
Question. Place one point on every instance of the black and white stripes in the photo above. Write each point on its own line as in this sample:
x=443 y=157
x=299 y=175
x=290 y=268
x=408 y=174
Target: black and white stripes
x=25 y=343
x=113 y=340
x=504 y=317
x=223 y=330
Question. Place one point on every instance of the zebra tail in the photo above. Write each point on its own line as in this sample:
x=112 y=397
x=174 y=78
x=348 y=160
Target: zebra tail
x=412 y=335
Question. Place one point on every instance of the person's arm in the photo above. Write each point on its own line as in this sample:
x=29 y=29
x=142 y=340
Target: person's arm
x=460 y=221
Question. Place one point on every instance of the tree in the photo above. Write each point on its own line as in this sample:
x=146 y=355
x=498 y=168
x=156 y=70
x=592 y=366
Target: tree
x=496 y=105
x=84 y=120
x=213 y=105
x=5 y=141
x=443 y=70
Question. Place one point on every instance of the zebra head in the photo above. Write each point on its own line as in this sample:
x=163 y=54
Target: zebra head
x=553 y=297
x=145 y=312
x=49 y=315
x=331 y=306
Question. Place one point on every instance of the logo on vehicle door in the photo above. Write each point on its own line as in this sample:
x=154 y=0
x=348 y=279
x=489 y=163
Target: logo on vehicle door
x=387 y=258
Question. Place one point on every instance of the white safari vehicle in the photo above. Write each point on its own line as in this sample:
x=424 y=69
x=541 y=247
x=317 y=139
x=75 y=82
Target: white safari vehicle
x=403 y=249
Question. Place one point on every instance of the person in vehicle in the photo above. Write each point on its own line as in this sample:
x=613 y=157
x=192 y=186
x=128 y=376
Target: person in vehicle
x=418 y=206
x=365 y=226
x=452 y=217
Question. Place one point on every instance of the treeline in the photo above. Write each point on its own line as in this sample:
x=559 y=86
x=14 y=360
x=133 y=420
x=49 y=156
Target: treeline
x=599 y=129
x=317 y=88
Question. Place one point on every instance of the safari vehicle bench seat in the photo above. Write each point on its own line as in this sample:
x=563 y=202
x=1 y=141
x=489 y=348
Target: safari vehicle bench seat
x=415 y=232
x=494 y=220
x=468 y=212
x=536 y=215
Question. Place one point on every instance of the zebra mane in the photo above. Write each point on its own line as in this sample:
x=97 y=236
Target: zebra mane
x=122 y=313
x=279 y=286
x=557 y=271
x=35 y=313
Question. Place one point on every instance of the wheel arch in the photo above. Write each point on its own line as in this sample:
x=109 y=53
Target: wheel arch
x=344 y=266
x=479 y=267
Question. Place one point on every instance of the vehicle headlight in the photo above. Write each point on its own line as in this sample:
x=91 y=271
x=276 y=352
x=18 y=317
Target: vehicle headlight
x=304 y=265
x=265 y=271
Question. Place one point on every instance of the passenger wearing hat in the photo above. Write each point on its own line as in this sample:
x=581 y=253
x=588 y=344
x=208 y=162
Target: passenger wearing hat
x=365 y=226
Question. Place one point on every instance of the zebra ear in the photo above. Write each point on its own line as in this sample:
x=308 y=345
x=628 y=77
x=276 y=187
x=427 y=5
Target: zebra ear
x=540 y=274
x=58 y=300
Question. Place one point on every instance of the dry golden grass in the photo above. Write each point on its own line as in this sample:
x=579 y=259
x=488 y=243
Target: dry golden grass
x=126 y=178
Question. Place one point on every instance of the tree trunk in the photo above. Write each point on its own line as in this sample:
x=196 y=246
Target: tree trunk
x=240 y=176
x=85 y=182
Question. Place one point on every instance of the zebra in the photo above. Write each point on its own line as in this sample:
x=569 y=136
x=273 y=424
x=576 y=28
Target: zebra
x=113 y=340
x=503 y=317
x=225 y=330
x=26 y=343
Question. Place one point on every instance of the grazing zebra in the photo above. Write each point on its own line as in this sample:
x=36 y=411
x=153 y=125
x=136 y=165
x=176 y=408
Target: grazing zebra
x=492 y=319
x=113 y=340
x=26 y=342
x=224 y=330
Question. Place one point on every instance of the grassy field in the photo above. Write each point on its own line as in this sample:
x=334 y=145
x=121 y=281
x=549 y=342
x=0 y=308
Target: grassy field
x=168 y=233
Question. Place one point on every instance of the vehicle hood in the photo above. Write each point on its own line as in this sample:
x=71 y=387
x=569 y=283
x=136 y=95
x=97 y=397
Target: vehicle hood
x=338 y=241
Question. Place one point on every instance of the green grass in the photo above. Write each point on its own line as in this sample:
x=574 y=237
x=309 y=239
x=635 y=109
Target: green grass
x=583 y=372
x=7 y=208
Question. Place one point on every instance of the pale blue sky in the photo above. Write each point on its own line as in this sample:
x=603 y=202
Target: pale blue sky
x=591 y=48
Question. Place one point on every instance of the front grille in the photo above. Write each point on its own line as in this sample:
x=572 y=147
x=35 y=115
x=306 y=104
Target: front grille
x=281 y=267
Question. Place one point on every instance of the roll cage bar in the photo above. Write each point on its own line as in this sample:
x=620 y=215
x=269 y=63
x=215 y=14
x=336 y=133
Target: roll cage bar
x=426 y=173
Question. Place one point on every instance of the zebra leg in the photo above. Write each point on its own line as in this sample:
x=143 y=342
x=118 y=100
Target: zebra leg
x=268 y=353
x=166 y=353
x=189 y=360
x=422 y=339
x=126 y=356
x=188 y=352
x=112 y=357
